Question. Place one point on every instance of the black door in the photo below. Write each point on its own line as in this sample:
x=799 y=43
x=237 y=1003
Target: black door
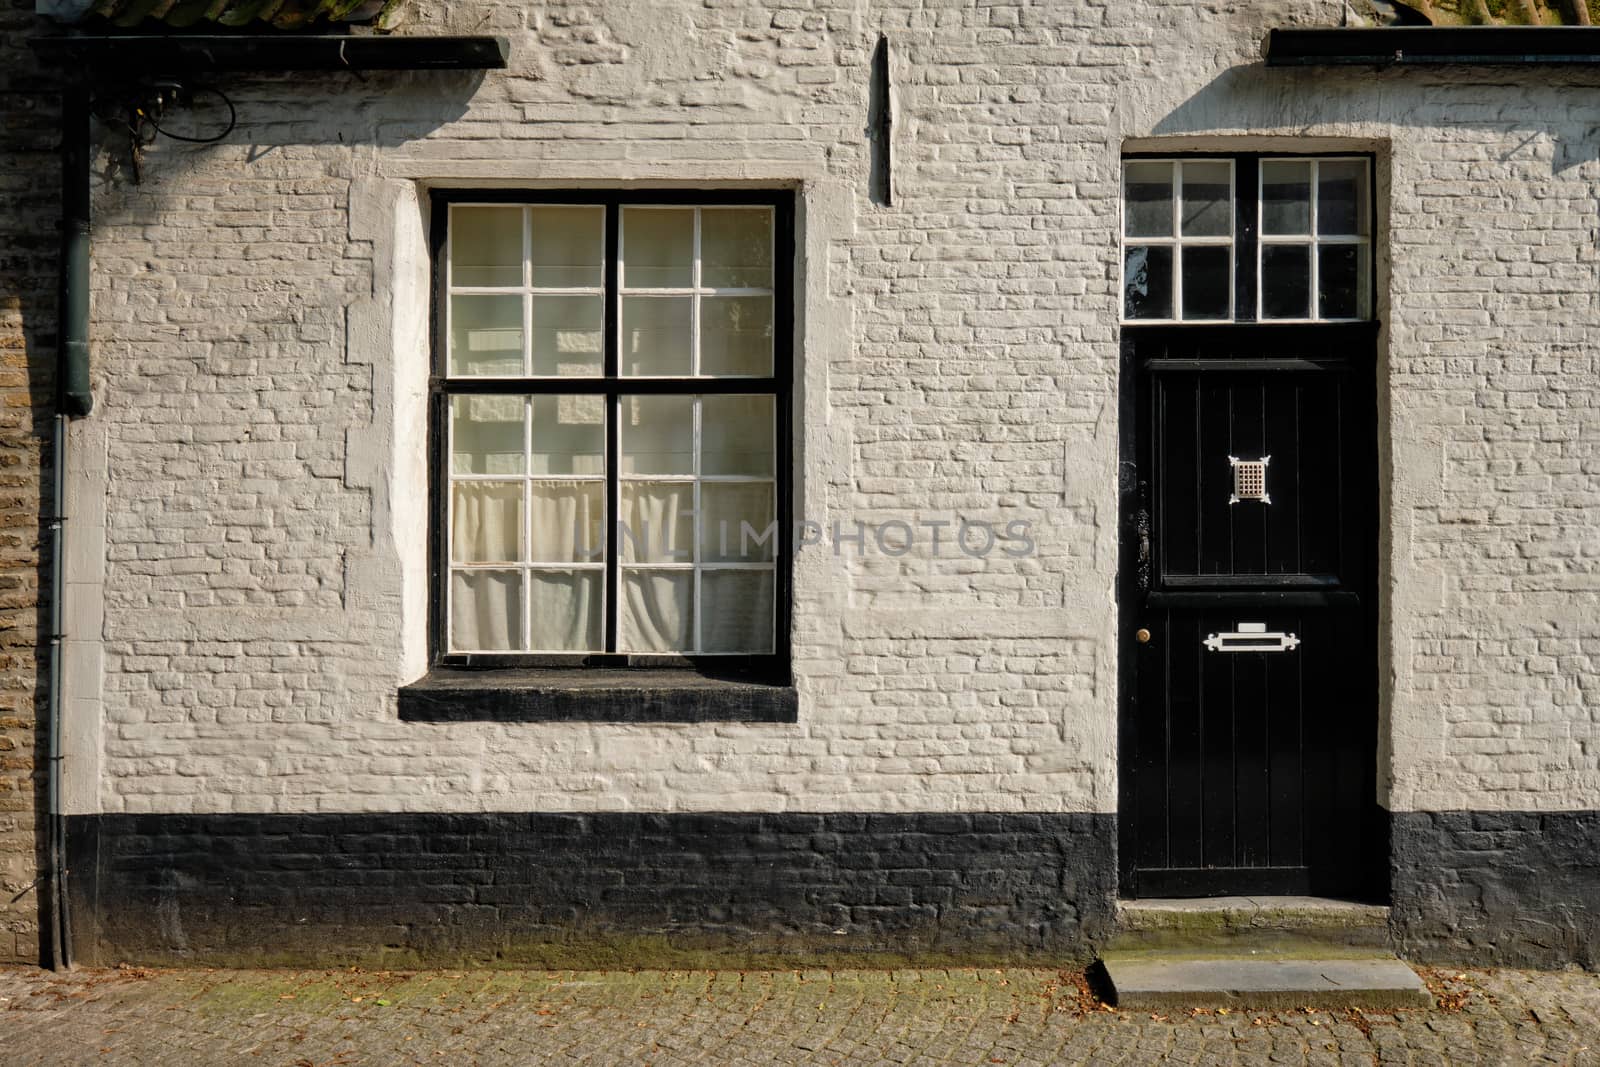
x=1248 y=655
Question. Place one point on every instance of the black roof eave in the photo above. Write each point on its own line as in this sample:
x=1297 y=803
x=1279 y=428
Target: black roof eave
x=1433 y=46
x=182 y=54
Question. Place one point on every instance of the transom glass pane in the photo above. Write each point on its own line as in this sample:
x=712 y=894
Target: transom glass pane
x=1147 y=282
x=657 y=335
x=1342 y=197
x=736 y=335
x=1207 y=199
x=1285 y=197
x=567 y=335
x=1147 y=207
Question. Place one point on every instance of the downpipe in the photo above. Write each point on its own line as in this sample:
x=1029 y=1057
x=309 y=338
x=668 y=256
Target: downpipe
x=73 y=400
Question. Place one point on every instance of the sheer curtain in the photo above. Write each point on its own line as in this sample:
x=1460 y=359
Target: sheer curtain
x=487 y=606
x=658 y=605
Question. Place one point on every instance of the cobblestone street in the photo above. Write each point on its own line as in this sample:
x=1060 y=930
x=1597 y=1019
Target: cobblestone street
x=978 y=1017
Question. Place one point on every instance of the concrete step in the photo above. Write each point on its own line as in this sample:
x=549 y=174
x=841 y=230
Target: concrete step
x=1313 y=927
x=1144 y=982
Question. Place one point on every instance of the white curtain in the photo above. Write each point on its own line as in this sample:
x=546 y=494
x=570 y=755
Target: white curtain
x=658 y=527
x=564 y=605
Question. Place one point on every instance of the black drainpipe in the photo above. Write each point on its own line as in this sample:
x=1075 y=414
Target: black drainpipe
x=73 y=400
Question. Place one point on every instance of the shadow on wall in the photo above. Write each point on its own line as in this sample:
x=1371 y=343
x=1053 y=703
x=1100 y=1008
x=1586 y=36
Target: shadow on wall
x=279 y=118
x=1363 y=101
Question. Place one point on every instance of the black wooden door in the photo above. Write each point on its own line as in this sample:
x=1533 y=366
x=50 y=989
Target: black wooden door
x=1248 y=656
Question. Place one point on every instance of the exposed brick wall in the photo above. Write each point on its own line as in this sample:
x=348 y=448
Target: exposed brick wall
x=28 y=209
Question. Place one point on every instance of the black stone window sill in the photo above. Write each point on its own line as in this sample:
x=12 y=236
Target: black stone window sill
x=619 y=695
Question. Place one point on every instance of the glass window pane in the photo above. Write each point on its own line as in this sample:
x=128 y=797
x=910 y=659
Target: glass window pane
x=567 y=335
x=1342 y=197
x=486 y=335
x=569 y=435
x=657 y=248
x=736 y=435
x=566 y=522
x=655 y=335
x=736 y=335
x=1341 y=282
x=1147 y=282
x=657 y=522
x=485 y=611
x=1205 y=282
x=486 y=522
x=565 y=613
x=1285 y=281
x=1285 y=198
x=658 y=435
x=736 y=248
x=568 y=247
x=657 y=611
x=736 y=611
x=486 y=246
x=738 y=522
x=487 y=435
x=1147 y=203
x=1207 y=200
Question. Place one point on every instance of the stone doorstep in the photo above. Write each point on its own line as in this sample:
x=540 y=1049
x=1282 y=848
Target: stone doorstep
x=1304 y=927
x=1145 y=983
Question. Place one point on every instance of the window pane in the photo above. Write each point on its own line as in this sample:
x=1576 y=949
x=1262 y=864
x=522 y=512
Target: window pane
x=1342 y=197
x=657 y=611
x=738 y=522
x=1285 y=281
x=736 y=335
x=1341 y=282
x=736 y=435
x=1285 y=198
x=568 y=247
x=1205 y=282
x=657 y=435
x=569 y=435
x=567 y=335
x=485 y=611
x=486 y=522
x=655 y=335
x=486 y=335
x=657 y=522
x=1147 y=282
x=736 y=248
x=1207 y=200
x=736 y=611
x=487 y=434
x=486 y=246
x=567 y=524
x=657 y=248
x=565 y=613
x=1147 y=205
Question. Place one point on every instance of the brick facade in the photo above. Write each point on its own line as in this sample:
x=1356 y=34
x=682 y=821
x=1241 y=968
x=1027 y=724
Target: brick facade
x=256 y=462
x=28 y=209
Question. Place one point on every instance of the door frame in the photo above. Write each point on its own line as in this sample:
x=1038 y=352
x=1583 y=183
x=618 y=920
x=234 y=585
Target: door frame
x=1225 y=339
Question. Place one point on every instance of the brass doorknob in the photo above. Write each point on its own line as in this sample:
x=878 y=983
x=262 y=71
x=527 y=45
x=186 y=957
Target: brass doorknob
x=1143 y=635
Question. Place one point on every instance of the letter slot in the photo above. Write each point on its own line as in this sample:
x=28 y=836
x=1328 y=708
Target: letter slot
x=1252 y=637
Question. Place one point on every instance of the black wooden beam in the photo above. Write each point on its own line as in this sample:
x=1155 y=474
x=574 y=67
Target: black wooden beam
x=184 y=54
x=1433 y=46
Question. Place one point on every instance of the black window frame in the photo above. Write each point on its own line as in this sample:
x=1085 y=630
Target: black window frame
x=1247 y=238
x=771 y=668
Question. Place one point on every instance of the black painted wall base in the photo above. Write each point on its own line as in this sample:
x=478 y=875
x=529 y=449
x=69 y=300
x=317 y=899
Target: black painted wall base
x=590 y=890
x=1504 y=888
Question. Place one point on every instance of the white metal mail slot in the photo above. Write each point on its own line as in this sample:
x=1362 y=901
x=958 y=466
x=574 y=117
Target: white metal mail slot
x=1252 y=637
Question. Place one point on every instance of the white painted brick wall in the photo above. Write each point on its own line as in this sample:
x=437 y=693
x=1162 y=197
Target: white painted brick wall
x=259 y=330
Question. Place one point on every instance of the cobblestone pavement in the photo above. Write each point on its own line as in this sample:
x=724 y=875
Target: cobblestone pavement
x=979 y=1017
